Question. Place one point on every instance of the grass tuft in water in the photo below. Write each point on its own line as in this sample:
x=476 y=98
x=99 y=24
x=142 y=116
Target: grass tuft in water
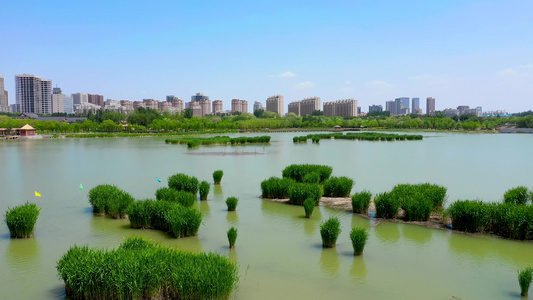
x=217 y=176
x=21 y=220
x=525 y=276
x=183 y=182
x=518 y=195
x=232 y=236
x=204 y=190
x=231 y=202
x=359 y=236
x=338 y=187
x=329 y=231
x=309 y=206
x=108 y=199
x=361 y=201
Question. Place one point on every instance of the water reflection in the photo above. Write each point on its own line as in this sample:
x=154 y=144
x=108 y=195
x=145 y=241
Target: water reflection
x=232 y=255
x=329 y=260
x=417 y=234
x=387 y=232
x=358 y=221
x=204 y=208
x=232 y=217
x=311 y=224
x=217 y=190
x=23 y=253
x=358 y=269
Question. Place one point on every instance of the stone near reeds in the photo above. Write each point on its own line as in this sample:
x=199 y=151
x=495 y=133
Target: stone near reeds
x=183 y=182
x=232 y=236
x=231 y=202
x=301 y=191
x=361 y=201
x=139 y=269
x=519 y=195
x=203 y=190
x=20 y=220
x=309 y=206
x=217 y=176
x=338 y=187
x=329 y=231
x=358 y=236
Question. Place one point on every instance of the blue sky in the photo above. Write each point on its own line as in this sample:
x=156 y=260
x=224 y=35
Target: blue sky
x=478 y=53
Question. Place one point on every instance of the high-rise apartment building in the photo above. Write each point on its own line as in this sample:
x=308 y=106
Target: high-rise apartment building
x=68 y=104
x=96 y=99
x=275 y=104
x=218 y=107
x=415 y=104
x=305 y=107
x=58 y=101
x=33 y=94
x=80 y=98
x=239 y=105
x=375 y=108
x=3 y=100
x=390 y=107
x=199 y=96
x=257 y=105
x=177 y=104
x=341 y=108
x=430 y=105
x=294 y=107
x=205 y=106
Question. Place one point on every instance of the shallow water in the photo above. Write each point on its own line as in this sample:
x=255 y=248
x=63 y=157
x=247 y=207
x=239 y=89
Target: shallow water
x=278 y=250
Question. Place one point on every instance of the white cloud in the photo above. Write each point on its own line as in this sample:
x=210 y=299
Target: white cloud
x=508 y=72
x=287 y=74
x=306 y=85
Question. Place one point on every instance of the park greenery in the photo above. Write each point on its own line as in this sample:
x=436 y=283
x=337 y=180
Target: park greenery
x=194 y=142
x=140 y=269
x=20 y=220
x=147 y=120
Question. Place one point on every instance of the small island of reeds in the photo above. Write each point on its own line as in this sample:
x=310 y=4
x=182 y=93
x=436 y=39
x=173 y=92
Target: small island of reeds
x=21 y=220
x=193 y=142
x=360 y=136
x=140 y=269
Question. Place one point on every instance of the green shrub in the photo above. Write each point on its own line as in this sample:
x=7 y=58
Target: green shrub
x=417 y=208
x=217 y=176
x=182 y=182
x=518 y=195
x=118 y=205
x=232 y=236
x=309 y=206
x=298 y=172
x=204 y=190
x=338 y=187
x=510 y=220
x=435 y=193
x=183 y=221
x=166 y=194
x=109 y=199
x=276 y=188
x=361 y=201
x=231 y=202
x=359 y=236
x=140 y=214
x=329 y=231
x=468 y=215
x=525 y=276
x=20 y=220
x=387 y=205
x=139 y=269
x=302 y=191
x=312 y=177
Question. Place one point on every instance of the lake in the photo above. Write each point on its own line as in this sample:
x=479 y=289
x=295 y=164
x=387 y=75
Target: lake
x=279 y=251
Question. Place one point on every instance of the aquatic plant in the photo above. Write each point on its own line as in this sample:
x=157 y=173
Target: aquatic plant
x=416 y=208
x=166 y=194
x=139 y=269
x=231 y=202
x=204 y=190
x=217 y=176
x=519 y=195
x=140 y=214
x=361 y=201
x=312 y=177
x=309 y=206
x=20 y=220
x=276 y=188
x=298 y=172
x=301 y=191
x=183 y=221
x=387 y=205
x=509 y=220
x=183 y=182
x=525 y=276
x=193 y=142
x=232 y=236
x=181 y=197
x=110 y=200
x=329 y=231
x=468 y=215
x=338 y=187
x=435 y=193
x=358 y=236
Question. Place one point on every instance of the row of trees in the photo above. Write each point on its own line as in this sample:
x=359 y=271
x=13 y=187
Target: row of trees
x=144 y=119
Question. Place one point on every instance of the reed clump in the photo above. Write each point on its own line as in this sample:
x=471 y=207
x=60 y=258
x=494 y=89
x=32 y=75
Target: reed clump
x=361 y=201
x=329 y=231
x=416 y=208
x=108 y=199
x=338 y=187
x=193 y=142
x=217 y=176
x=387 y=205
x=298 y=172
x=309 y=207
x=139 y=269
x=183 y=182
x=362 y=136
x=525 y=276
x=358 y=236
x=203 y=190
x=181 y=197
x=518 y=195
x=20 y=220
x=231 y=203
x=232 y=236
x=302 y=191
x=468 y=215
x=276 y=188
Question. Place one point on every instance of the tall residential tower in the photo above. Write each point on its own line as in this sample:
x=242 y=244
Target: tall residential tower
x=33 y=94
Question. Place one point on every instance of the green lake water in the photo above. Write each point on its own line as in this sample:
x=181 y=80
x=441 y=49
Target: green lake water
x=279 y=251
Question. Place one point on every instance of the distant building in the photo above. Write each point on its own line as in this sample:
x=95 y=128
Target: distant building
x=305 y=107
x=390 y=107
x=401 y=106
x=358 y=110
x=33 y=94
x=294 y=107
x=58 y=101
x=275 y=104
x=199 y=96
x=258 y=105
x=430 y=106
x=177 y=104
x=80 y=98
x=126 y=105
x=341 y=108
x=4 y=101
x=205 y=106
x=68 y=104
x=96 y=99
x=151 y=103
x=239 y=105
x=415 y=104
x=170 y=98
x=450 y=112
x=218 y=107
x=375 y=108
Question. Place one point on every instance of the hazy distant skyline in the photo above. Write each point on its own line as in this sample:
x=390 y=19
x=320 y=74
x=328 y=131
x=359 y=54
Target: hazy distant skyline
x=477 y=53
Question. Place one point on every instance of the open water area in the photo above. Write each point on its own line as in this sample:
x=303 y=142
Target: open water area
x=279 y=251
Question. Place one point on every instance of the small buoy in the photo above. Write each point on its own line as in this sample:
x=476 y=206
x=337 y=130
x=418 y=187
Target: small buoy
x=372 y=215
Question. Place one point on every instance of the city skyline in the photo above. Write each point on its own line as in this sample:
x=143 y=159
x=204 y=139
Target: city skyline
x=457 y=52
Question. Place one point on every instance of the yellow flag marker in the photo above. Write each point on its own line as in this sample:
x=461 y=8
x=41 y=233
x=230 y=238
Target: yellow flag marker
x=37 y=194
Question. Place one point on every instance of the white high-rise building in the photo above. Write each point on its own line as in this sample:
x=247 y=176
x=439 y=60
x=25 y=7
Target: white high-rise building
x=58 y=101
x=33 y=94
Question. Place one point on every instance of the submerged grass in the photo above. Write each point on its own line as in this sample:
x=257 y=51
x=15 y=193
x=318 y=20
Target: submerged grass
x=302 y=191
x=362 y=136
x=20 y=220
x=139 y=269
x=299 y=172
x=181 y=197
x=276 y=188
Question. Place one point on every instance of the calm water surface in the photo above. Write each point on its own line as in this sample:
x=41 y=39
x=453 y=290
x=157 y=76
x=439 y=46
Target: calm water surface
x=279 y=251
